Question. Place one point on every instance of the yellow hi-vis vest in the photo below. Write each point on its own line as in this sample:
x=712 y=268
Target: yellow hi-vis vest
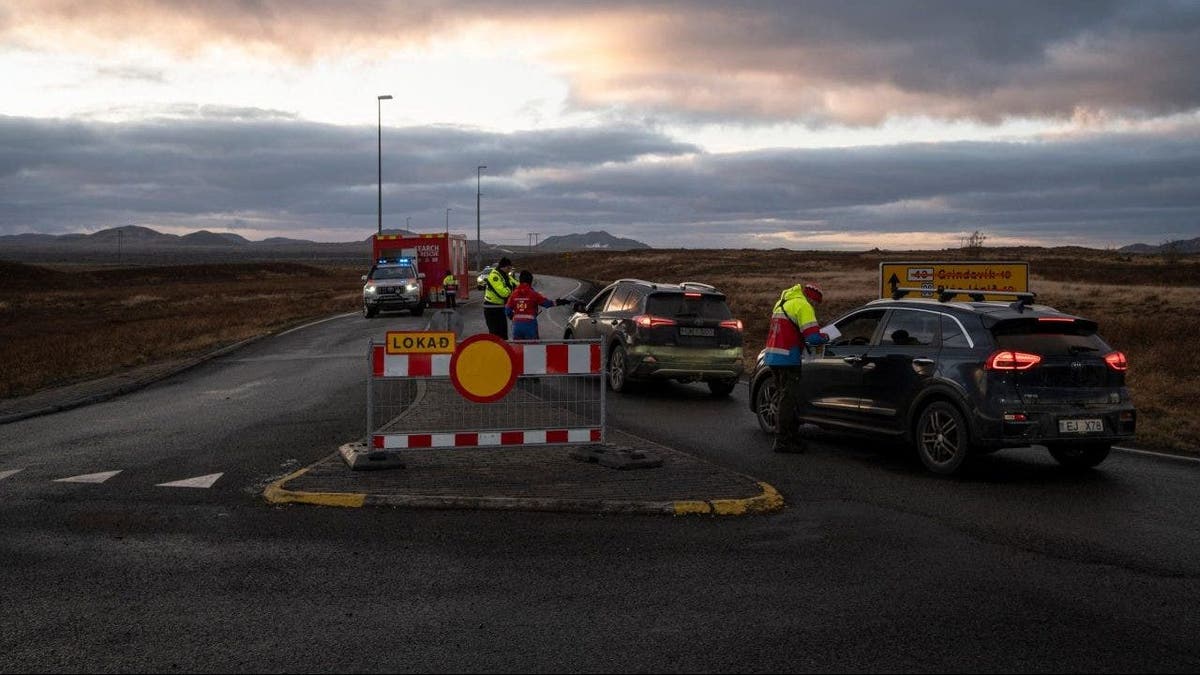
x=497 y=289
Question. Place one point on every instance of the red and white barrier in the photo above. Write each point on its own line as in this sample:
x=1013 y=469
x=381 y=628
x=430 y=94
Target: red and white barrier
x=482 y=439
x=529 y=359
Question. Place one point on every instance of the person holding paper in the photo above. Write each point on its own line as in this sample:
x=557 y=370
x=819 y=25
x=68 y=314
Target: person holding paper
x=793 y=328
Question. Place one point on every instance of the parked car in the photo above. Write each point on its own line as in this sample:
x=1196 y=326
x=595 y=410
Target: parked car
x=393 y=284
x=683 y=332
x=955 y=379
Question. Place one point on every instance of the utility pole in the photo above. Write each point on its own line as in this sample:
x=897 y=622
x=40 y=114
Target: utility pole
x=478 y=240
x=379 y=148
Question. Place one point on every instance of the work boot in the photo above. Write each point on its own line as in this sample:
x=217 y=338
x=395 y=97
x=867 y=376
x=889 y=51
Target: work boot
x=790 y=445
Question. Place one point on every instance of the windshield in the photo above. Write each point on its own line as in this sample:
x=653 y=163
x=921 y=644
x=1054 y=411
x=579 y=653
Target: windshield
x=402 y=272
x=678 y=305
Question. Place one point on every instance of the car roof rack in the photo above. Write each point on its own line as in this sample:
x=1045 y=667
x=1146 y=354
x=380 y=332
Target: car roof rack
x=637 y=281
x=1023 y=298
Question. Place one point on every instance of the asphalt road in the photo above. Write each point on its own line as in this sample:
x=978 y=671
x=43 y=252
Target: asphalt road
x=874 y=564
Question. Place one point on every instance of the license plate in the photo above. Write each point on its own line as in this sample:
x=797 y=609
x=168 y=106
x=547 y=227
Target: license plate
x=697 y=332
x=1080 y=426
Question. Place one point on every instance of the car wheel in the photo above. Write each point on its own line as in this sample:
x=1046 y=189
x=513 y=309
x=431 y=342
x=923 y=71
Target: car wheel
x=942 y=438
x=1080 y=456
x=722 y=388
x=766 y=405
x=618 y=370
x=369 y=312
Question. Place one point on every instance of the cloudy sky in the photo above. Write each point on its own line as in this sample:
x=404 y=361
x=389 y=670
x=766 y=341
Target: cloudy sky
x=810 y=125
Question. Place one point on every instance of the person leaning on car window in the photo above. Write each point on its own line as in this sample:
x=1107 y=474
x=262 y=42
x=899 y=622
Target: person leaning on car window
x=793 y=327
x=498 y=286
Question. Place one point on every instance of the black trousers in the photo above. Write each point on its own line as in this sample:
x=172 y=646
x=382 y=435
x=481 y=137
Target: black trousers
x=787 y=382
x=497 y=322
x=451 y=300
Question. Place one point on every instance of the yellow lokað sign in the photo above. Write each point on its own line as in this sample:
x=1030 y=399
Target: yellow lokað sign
x=923 y=279
x=420 y=342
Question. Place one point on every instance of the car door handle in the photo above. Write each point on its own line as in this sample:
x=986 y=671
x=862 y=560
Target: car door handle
x=869 y=366
x=852 y=360
x=922 y=362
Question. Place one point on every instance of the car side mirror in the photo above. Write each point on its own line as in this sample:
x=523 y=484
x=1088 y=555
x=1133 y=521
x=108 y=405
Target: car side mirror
x=364 y=278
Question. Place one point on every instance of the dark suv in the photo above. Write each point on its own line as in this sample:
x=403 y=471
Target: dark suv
x=683 y=332
x=956 y=378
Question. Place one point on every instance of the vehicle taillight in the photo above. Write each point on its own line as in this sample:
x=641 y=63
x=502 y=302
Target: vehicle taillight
x=735 y=324
x=1055 y=319
x=1117 y=361
x=647 y=321
x=1010 y=360
x=692 y=295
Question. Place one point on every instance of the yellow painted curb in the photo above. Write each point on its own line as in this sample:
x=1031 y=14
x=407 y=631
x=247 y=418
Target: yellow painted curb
x=769 y=500
x=275 y=493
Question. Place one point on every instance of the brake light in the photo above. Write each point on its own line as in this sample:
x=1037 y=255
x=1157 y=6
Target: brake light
x=735 y=324
x=1117 y=361
x=1055 y=319
x=647 y=321
x=691 y=295
x=1010 y=360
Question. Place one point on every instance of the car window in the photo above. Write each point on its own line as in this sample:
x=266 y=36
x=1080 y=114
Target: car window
x=952 y=334
x=911 y=328
x=633 y=301
x=616 y=301
x=598 y=301
x=858 y=328
x=695 y=305
x=1049 y=338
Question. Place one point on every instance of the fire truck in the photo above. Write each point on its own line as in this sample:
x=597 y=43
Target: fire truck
x=434 y=254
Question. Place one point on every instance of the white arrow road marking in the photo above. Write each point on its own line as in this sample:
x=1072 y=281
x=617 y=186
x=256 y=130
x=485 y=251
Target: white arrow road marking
x=6 y=474
x=89 y=477
x=197 y=482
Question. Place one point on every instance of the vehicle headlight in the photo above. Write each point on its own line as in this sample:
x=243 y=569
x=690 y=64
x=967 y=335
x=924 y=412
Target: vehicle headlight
x=410 y=288
x=369 y=289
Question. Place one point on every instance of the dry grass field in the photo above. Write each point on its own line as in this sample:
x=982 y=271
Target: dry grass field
x=63 y=324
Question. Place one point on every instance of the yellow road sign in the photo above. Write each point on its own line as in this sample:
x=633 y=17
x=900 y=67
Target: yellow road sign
x=928 y=277
x=420 y=342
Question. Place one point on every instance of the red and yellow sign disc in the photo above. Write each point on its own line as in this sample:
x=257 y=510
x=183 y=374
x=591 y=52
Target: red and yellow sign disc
x=483 y=369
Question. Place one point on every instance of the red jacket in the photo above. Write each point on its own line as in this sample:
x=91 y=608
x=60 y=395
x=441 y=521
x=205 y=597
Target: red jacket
x=524 y=302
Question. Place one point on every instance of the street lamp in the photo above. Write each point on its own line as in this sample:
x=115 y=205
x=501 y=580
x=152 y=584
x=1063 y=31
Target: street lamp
x=408 y=223
x=478 y=240
x=447 y=222
x=379 y=113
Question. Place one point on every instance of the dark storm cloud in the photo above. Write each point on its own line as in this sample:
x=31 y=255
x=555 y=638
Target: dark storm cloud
x=280 y=175
x=817 y=61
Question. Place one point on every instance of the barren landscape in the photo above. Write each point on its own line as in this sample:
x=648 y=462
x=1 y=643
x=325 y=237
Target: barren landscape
x=61 y=323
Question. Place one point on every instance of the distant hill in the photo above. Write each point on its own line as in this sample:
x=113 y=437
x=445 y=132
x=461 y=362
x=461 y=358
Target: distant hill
x=592 y=240
x=206 y=238
x=1177 y=246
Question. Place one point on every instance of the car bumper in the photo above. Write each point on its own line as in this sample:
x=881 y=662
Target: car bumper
x=392 y=302
x=677 y=363
x=1041 y=427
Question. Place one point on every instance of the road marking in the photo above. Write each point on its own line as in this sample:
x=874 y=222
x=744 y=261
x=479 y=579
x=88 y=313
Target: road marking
x=1163 y=455
x=313 y=323
x=6 y=474
x=197 y=482
x=89 y=477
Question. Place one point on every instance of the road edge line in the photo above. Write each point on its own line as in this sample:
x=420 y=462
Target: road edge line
x=276 y=493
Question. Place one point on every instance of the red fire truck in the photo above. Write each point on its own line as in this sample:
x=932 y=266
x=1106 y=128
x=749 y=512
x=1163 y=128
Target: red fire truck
x=434 y=253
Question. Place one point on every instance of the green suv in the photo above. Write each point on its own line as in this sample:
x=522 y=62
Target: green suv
x=683 y=332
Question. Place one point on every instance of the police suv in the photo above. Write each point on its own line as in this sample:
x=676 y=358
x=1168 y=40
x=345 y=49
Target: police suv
x=392 y=284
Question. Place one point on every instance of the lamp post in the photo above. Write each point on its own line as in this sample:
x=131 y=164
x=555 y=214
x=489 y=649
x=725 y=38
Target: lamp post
x=408 y=223
x=478 y=241
x=379 y=113
x=447 y=222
